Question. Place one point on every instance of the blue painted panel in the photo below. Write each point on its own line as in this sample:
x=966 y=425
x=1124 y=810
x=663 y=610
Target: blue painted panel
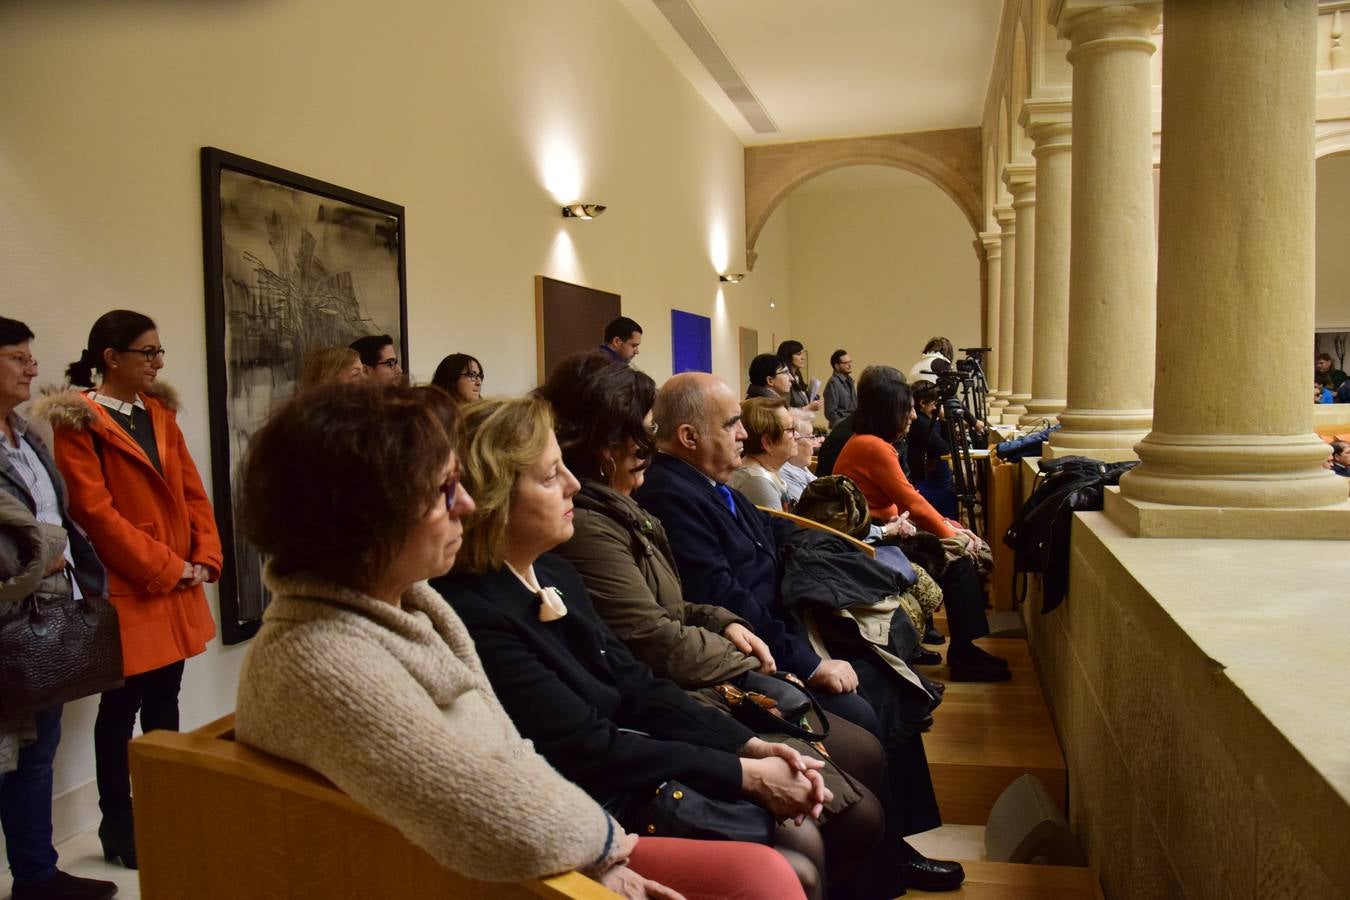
x=690 y=342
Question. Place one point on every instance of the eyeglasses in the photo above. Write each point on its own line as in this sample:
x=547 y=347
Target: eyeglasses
x=472 y=376
x=390 y=363
x=23 y=359
x=150 y=353
x=651 y=429
x=451 y=491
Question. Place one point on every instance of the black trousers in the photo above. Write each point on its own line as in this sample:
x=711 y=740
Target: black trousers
x=154 y=695
x=963 y=596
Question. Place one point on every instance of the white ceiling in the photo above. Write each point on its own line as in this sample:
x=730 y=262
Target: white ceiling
x=842 y=68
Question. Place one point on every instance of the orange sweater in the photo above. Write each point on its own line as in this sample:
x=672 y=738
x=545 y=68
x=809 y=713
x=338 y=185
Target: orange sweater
x=874 y=466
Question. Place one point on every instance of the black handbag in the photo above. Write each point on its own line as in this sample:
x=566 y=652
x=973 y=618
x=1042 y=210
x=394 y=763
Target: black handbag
x=54 y=648
x=774 y=704
x=677 y=810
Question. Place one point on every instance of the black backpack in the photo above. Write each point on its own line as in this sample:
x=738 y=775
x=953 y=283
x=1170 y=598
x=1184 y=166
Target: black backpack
x=1039 y=535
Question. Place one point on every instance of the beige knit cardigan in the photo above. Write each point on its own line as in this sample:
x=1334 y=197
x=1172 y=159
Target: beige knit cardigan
x=392 y=705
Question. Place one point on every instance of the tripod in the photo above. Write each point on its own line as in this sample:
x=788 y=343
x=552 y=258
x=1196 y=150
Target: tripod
x=963 y=467
x=975 y=390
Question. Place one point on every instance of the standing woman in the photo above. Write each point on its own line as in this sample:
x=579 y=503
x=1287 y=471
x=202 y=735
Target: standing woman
x=793 y=355
x=135 y=490
x=461 y=376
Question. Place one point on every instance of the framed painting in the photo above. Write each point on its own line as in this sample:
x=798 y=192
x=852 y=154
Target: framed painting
x=690 y=342
x=292 y=264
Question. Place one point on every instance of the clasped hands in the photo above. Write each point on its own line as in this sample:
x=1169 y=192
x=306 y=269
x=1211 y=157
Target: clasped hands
x=193 y=575
x=783 y=781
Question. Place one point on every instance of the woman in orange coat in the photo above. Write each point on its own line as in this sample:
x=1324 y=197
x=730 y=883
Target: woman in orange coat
x=135 y=490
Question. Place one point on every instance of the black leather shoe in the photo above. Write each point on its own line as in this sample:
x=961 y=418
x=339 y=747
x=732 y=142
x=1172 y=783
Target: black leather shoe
x=118 y=836
x=933 y=636
x=978 y=670
x=986 y=656
x=924 y=874
x=64 y=886
x=922 y=657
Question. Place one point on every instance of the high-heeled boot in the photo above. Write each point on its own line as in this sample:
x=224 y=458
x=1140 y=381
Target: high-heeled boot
x=118 y=836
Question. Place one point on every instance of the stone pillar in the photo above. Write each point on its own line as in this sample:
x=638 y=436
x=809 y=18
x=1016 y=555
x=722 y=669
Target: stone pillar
x=1021 y=182
x=1111 y=260
x=1047 y=123
x=1007 y=227
x=1232 y=451
x=993 y=259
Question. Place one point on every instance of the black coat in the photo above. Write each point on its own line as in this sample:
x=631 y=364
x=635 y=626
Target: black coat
x=578 y=693
x=725 y=559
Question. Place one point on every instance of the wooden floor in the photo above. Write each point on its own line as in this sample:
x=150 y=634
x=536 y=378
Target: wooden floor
x=986 y=735
x=1006 y=881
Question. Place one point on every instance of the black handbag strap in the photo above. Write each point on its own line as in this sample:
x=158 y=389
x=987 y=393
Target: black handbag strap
x=747 y=706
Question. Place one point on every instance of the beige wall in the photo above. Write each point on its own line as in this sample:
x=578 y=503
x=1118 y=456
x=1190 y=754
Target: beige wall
x=468 y=113
x=1333 y=239
x=880 y=261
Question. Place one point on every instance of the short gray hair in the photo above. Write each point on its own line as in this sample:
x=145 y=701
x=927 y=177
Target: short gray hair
x=682 y=400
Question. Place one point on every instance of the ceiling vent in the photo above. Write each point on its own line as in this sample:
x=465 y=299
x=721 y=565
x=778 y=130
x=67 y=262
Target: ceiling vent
x=689 y=26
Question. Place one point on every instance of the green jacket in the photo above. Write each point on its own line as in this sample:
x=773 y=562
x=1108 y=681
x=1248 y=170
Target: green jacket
x=622 y=554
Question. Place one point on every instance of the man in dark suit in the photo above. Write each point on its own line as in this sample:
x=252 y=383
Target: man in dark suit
x=727 y=552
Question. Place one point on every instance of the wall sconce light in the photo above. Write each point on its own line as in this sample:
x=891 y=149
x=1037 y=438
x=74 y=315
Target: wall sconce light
x=732 y=277
x=582 y=210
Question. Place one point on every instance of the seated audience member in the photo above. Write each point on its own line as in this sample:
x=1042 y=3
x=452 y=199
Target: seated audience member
x=358 y=660
x=1325 y=365
x=461 y=376
x=623 y=337
x=936 y=348
x=596 y=713
x=770 y=439
x=331 y=364
x=796 y=472
x=1343 y=392
x=834 y=442
x=841 y=398
x=603 y=420
x=1322 y=392
x=769 y=378
x=793 y=355
x=726 y=551
x=1340 y=458
x=37 y=500
x=379 y=358
x=925 y=446
x=885 y=410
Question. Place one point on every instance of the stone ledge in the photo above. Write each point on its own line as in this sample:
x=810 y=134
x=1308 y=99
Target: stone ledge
x=1143 y=519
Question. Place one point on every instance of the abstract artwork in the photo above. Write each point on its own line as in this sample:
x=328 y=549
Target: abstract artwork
x=292 y=265
x=690 y=342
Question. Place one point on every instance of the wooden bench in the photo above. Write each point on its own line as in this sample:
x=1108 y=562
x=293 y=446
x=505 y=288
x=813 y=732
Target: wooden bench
x=216 y=820
x=1010 y=881
x=810 y=523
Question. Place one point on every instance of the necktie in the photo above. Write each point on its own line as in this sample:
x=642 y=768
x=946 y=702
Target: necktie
x=727 y=498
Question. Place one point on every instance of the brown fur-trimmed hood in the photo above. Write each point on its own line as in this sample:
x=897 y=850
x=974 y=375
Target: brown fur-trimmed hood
x=65 y=408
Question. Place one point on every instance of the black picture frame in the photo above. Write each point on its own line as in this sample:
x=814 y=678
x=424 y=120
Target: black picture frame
x=320 y=277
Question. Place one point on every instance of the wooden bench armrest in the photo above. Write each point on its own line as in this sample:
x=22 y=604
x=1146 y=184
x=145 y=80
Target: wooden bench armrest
x=811 y=523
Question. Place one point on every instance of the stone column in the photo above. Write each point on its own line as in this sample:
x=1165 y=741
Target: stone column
x=1007 y=228
x=1232 y=451
x=1111 y=260
x=1021 y=182
x=1047 y=123
x=993 y=259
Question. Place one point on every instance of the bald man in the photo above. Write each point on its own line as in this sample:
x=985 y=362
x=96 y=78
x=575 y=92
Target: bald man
x=726 y=550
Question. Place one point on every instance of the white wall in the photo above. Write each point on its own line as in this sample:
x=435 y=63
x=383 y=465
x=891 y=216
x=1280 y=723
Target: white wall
x=880 y=260
x=1333 y=242
x=480 y=117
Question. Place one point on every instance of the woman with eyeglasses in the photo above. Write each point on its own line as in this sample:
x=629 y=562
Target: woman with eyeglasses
x=461 y=376
x=769 y=378
x=770 y=441
x=136 y=492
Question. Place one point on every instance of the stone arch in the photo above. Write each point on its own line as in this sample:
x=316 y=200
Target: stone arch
x=1333 y=137
x=950 y=159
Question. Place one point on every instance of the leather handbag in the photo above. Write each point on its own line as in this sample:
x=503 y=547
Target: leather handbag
x=677 y=810
x=774 y=704
x=55 y=648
